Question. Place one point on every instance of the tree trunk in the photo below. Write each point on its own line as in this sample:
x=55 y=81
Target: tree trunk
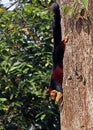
x=77 y=110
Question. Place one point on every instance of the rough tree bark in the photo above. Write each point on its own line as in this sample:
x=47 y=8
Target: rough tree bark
x=77 y=110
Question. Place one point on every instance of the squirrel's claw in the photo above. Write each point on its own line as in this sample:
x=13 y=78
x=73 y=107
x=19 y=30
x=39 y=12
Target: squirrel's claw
x=66 y=39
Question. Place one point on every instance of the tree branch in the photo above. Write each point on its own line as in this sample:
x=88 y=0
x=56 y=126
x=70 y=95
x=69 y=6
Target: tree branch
x=11 y=5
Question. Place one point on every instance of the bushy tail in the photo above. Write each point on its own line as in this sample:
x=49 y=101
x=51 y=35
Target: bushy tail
x=56 y=24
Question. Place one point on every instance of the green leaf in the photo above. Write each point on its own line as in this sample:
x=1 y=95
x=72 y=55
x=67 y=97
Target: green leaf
x=85 y=3
x=42 y=117
x=3 y=99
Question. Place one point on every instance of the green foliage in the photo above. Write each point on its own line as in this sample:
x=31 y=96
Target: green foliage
x=25 y=67
x=74 y=9
x=85 y=3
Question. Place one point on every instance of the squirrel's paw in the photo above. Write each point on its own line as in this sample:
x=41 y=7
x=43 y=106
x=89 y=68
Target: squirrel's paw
x=56 y=95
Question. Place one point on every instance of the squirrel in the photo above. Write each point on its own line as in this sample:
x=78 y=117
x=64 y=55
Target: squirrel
x=55 y=90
